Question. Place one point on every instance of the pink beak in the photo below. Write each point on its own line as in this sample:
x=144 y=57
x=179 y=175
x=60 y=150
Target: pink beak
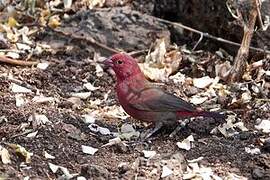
x=108 y=62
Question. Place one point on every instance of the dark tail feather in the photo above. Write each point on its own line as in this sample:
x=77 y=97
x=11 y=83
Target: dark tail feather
x=215 y=115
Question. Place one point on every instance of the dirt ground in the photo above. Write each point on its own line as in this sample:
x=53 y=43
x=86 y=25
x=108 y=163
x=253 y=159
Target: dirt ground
x=224 y=155
x=67 y=132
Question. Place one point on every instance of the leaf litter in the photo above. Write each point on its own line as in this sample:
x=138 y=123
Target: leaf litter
x=164 y=63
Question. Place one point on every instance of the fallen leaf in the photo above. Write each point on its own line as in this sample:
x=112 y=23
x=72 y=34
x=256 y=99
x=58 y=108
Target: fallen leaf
x=252 y=151
x=89 y=150
x=96 y=128
x=196 y=99
x=43 y=65
x=90 y=87
x=158 y=55
x=39 y=119
x=149 y=154
x=113 y=141
x=43 y=99
x=47 y=155
x=53 y=167
x=82 y=95
x=99 y=70
x=95 y=3
x=19 y=89
x=264 y=125
x=5 y=156
x=186 y=143
x=67 y=4
x=22 y=46
x=246 y=97
x=75 y=101
x=89 y=118
x=19 y=100
x=203 y=82
x=12 y=22
x=13 y=55
x=166 y=172
x=22 y=151
x=31 y=135
x=54 y=21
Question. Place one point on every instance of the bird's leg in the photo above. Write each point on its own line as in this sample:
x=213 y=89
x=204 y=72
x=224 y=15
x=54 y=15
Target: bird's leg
x=151 y=131
x=181 y=125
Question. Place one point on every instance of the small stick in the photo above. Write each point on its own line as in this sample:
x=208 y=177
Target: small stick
x=7 y=60
x=209 y=35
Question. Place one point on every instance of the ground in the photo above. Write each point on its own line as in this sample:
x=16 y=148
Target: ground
x=223 y=154
x=66 y=132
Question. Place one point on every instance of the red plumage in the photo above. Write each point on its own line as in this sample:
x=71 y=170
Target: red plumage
x=144 y=101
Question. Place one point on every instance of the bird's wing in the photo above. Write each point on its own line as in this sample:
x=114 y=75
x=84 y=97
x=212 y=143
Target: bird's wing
x=156 y=100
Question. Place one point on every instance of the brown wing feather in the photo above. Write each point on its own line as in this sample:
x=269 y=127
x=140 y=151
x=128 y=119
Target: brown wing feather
x=156 y=100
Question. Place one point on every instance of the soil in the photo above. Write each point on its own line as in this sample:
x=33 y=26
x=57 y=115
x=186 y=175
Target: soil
x=67 y=73
x=223 y=154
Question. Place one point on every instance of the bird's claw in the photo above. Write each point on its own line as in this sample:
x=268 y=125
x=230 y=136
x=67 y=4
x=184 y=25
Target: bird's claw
x=148 y=133
x=181 y=126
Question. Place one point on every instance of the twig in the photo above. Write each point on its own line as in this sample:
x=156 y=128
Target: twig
x=263 y=100
x=11 y=50
x=230 y=11
x=201 y=38
x=209 y=35
x=259 y=16
x=5 y=59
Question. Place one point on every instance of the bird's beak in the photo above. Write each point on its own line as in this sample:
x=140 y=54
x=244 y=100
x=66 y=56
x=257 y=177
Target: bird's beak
x=108 y=62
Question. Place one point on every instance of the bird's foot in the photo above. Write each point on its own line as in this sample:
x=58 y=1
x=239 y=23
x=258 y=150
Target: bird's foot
x=179 y=127
x=148 y=133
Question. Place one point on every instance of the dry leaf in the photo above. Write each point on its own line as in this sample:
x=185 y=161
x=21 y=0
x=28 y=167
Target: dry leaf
x=19 y=89
x=43 y=65
x=12 y=22
x=90 y=87
x=13 y=55
x=203 y=82
x=186 y=143
x=39 y=119
x=31 y=135
x=22 y=151
x=19 y=100
x=89 y=150
x=67 y=4
x=89 y=118
x=264 y=126
x=54 y=22
x=166 y=172
x=5 y=156
x=82 y=95
x=43 y=99
x=53 y=167
x=113 y=141
x=149 y=154
x=48 y=156
x=95 y=3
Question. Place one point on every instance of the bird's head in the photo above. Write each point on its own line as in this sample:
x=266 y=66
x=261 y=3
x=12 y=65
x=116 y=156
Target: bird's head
x=123 y=65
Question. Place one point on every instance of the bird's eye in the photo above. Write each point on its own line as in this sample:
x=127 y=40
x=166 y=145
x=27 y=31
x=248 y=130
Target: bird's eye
x=119 y=62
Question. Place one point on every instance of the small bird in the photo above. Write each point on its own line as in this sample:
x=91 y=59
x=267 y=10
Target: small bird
x=144 y=101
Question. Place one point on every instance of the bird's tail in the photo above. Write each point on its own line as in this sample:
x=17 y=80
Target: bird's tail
x=215 y=115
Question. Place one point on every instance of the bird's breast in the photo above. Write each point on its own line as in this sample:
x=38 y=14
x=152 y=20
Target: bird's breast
x=127 y=94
